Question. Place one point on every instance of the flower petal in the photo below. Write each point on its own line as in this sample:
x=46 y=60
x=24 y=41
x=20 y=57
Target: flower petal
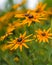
x=20 y=47
x=25 y=45
x=28 y=36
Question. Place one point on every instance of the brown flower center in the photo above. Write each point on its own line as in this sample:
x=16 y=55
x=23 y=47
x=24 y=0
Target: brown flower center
x=26 y=14
x=30 y=16
x=37 y=11
x=19 y=39
x=43 y=34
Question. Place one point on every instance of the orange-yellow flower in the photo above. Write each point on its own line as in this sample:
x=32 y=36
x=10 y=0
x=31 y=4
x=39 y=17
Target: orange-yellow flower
x=7 y=16
x=18 y=5
x=5 y=36
x=10 y=28
x=19 y=42
x=40 y=9
x=33 y=17
x=49 y=12
x=43 y=35
x=16 y=59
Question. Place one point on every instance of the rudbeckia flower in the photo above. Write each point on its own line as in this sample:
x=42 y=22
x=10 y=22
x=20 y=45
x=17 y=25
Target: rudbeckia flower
x=49 y=12
x=10 y=28
x=5 y=36
x=18 y=5
x=44 y=35
x=19 y=42
x=33 y=17
x=40 y=8
x=16 y=59
x=7 y=16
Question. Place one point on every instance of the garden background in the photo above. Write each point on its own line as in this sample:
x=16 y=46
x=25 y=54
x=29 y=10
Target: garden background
x=37 y=53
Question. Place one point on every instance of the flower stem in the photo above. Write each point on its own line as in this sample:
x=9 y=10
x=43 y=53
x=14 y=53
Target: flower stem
x=51 y=29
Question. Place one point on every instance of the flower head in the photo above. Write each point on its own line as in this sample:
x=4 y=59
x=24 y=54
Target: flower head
x=19 y=42
x=40 y=8
x=18 y=5
x=43 y=35
x=16 y=59
x=49 y=12
x=33 y=17
x=9 y=30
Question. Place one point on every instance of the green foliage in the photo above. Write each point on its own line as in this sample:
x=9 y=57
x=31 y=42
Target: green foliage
x=37 y=54
x=49 y=2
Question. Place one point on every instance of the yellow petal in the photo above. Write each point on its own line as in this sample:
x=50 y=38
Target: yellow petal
x=14 y=47
x=24 y=34
x=46 y=40
x=28 y=40
x=44 y=6
x=20 y=35
x=34 y=36
x=49 y=30
x=25 y=21
x=50 y=34
x=20 y=47
x=43 y=18
x=50 y=37
x=40 y=40
x=19 y=15
x=44 y=31
x=37 y=20
x=25 y=45
x=16 y=6
x=28 y=36
x=29 y=23
x=9 y=46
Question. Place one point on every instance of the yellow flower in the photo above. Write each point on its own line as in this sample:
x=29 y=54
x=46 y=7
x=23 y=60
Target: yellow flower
x=43 y=35
x=16 y=59
x=17 y=23
x=19 y=42
x=40 y=8
x=10 y=28
x=3 y=47
x=18 y=5
x=7 y=16
x=49 y=12
x=33 y=17
x=4 y=36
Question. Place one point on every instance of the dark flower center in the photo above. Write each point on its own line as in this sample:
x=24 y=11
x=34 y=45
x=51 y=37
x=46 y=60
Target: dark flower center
x=30 y=16
x=43 y=34
x=19 y=39
x=26 y=14
x=37 y=11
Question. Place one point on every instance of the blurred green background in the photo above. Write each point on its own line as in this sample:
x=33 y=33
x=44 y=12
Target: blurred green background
x=37 y=54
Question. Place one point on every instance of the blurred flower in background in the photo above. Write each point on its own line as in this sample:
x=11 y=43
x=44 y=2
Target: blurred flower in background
x=18 y=17
x=30 y=3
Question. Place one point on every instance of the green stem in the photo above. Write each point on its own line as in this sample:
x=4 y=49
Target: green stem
x=51 y=28
x=51 y=24
x=6 y=60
